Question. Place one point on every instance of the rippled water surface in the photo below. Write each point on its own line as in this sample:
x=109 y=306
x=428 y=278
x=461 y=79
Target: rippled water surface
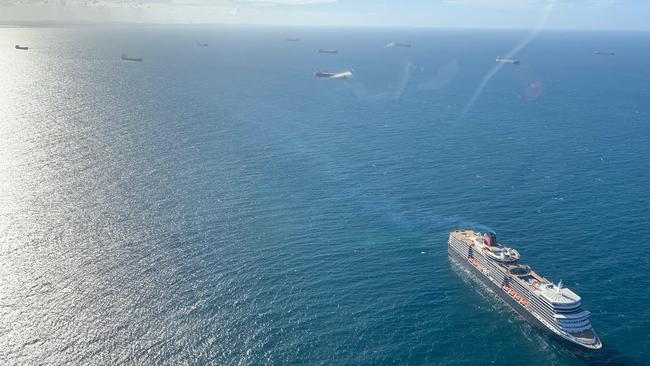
x=221 y=205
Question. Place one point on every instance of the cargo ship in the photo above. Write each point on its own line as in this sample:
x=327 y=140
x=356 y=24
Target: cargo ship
x=397 y=44
x=507 y=61
x=333 y=75
x=552 y=308
x=127 y=58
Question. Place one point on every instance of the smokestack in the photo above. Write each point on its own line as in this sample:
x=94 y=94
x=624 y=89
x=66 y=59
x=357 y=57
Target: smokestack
x=490 y=239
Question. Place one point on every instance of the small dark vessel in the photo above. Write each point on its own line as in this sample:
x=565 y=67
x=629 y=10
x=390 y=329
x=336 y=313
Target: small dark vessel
x=19 y=47
x=199 y=44
x=604 y=53
x=328 y=51
x=127 y=58
x=293 y=39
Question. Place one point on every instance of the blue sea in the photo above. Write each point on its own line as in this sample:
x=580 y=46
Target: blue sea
x=222 y=206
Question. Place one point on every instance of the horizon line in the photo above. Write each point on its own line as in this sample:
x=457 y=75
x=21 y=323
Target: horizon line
x=63 y=24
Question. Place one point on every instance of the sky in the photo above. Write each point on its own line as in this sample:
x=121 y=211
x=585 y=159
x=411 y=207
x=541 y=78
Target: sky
x=567 y=14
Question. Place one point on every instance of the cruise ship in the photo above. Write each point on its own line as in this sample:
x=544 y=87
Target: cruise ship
x=554 y=309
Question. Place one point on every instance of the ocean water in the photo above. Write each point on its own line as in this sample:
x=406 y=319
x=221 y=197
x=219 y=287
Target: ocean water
x=221 y=205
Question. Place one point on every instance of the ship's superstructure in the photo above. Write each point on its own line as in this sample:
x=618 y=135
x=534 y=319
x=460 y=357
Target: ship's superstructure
x=554 y=308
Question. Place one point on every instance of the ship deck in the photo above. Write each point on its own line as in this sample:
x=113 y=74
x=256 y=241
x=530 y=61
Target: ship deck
x=471 y=237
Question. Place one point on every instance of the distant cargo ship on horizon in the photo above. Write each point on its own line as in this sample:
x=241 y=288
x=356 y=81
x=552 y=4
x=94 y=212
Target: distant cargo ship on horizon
x=507 y=61
x=127 y=58
x=333 y=75
x=397 y=44
x=554 y=309
x=327 y=51
x=604 y=53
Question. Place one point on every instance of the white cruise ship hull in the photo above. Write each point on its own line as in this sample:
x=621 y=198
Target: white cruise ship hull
x=514 y=304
